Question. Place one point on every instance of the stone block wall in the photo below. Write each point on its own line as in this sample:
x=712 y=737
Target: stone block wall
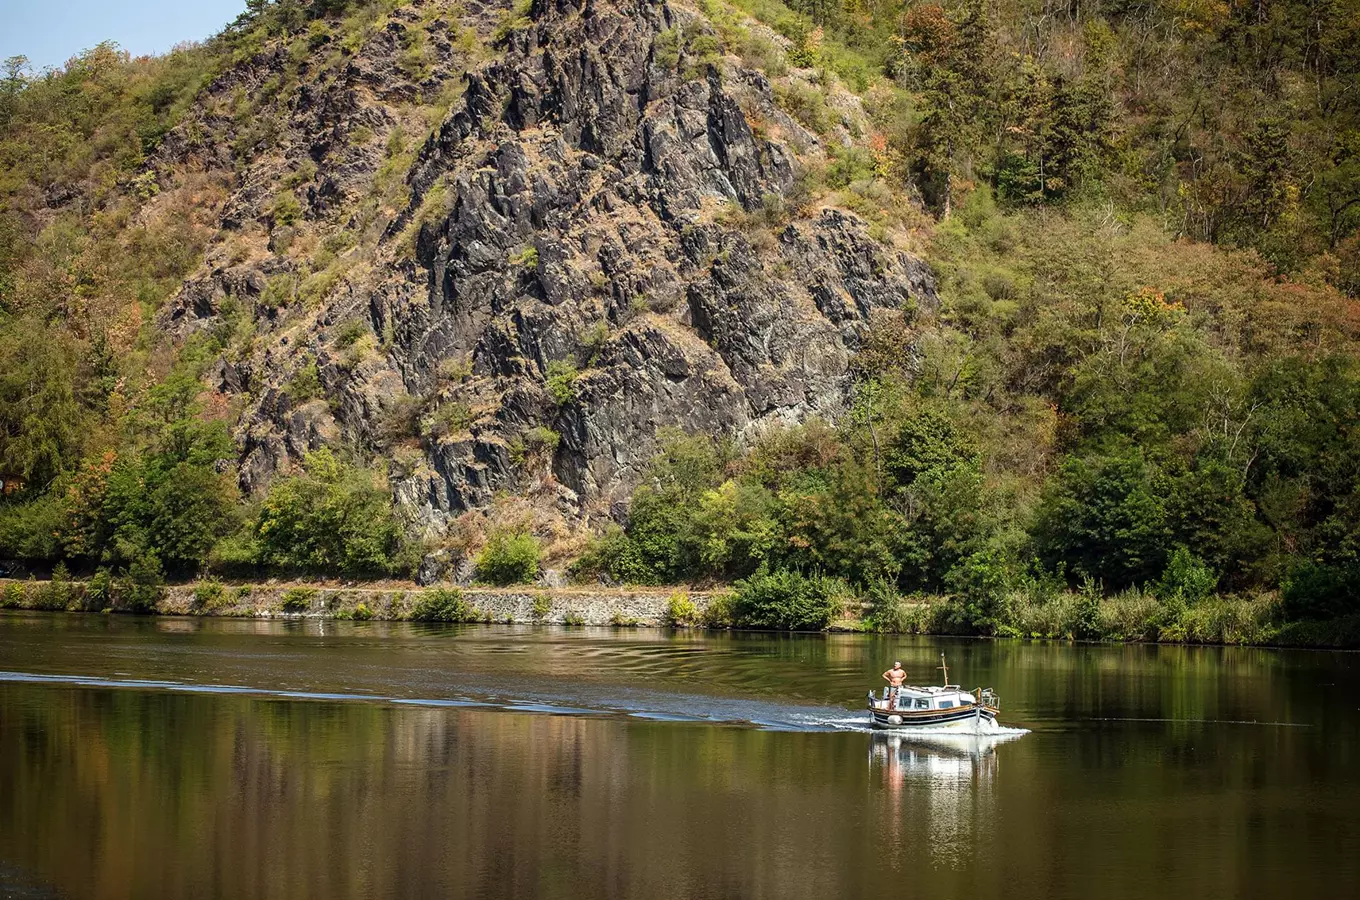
x=569 y=606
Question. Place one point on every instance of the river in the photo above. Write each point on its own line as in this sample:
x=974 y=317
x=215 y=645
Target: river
x=166 y=757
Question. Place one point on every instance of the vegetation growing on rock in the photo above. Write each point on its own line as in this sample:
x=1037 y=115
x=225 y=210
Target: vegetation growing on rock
x=1047 y=314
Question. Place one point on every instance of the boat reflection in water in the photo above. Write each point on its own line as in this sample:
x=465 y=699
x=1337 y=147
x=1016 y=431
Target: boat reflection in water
x=939 y=793
x=946 y=758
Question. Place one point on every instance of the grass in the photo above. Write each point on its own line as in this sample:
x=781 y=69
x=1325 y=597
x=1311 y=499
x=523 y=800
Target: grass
x=1131 y=616
x=298 y=599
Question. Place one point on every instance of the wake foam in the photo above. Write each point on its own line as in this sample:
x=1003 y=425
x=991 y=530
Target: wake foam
x=637 y=704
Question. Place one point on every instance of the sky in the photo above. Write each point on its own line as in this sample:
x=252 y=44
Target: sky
x=49 y=32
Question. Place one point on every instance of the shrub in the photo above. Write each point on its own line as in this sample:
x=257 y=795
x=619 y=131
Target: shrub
x=334 y=518
x=619 y=620
x=561 y=382
x=573 y=618
x=542 y=606
x=298 y=599
x=849 y=165
x=361 y=612
x=1316 y=591
x=913 y=615
x=509 y=558
x=594 y=341
x=526 y=258
x=28 y=530
x=351 y=333
x=455 y=368
x=449 y=418
x=806 y=104
x=719 y=612
x=784 y=600
x=57 y=593
x=1038 y=612
x=1131 y=615
x=1343 y=632
x=143 y=583
x=1087 y=624
x=666 y=48
x=1186 y=578
x=443 y=605
x=889 y=611
x=698 y=49
x=279 y=291
x=286 y=209
x=681 y=611
x=982 y=579
x=208 y=595
x=99 y=592
x=305 y=384
x=13 y=596
x=617 y=557
x=513 y=19
x=540 y=440
x=236 y=555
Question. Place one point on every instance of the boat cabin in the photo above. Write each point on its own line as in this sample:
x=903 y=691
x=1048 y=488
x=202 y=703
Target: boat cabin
x=910 y=697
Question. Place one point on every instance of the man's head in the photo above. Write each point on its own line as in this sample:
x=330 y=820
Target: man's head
x=897 y=665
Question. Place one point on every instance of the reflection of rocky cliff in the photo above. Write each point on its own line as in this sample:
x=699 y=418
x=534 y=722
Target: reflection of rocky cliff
x=583 y=206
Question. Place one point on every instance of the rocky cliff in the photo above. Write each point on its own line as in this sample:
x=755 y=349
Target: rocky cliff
x=604 y=233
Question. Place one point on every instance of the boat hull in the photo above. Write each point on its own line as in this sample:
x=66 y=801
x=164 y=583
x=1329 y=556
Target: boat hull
x=965 y=718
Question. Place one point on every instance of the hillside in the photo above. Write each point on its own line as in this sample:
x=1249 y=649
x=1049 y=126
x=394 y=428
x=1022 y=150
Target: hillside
x=978 y=299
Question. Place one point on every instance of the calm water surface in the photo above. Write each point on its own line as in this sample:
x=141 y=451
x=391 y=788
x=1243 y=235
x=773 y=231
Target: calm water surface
x=146 y=758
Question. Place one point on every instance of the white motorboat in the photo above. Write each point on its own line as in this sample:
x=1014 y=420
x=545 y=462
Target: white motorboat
x=945 y=707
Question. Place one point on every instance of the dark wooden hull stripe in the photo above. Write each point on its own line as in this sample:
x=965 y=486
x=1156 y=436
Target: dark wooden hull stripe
x=932 y=717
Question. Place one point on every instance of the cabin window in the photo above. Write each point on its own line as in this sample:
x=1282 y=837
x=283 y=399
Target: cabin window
x=923 y=703
x=946 y=704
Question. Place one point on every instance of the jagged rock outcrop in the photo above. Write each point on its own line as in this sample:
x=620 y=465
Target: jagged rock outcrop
x=597 y=246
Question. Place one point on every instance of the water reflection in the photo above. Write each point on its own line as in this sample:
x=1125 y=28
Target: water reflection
x=941 y=788
x=1150 y=771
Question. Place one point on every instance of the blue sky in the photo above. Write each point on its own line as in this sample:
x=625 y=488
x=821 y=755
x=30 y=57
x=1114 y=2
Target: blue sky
x=50 y=32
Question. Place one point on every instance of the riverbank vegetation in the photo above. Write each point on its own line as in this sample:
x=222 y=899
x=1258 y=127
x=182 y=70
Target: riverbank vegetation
x=784 y=601
x=1133 y=416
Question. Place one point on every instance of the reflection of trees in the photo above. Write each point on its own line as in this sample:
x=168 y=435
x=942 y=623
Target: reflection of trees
x=120 y=793
x=123 y=793
x=130 y=793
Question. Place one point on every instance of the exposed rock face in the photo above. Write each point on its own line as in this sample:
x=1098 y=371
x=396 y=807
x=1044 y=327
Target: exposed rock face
x=588 y=210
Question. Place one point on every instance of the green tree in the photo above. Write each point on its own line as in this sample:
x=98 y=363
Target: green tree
x=40 y=416
x=333 y=518
x=953 y=515
x=926 y=442
x=838 y=524
x=1104 y=516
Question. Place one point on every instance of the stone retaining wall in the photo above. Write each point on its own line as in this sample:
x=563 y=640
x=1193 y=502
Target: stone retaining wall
x=572 y=606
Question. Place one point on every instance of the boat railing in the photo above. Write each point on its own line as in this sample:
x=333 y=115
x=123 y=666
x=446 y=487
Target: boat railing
x=985 y=696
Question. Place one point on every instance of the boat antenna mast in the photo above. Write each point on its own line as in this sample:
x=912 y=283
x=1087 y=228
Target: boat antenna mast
x=943 y=666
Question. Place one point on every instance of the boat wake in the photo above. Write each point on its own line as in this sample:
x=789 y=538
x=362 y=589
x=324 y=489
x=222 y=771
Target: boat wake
x=583 y=700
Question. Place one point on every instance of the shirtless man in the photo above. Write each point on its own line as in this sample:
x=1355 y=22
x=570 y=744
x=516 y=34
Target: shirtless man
x=895 y=678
